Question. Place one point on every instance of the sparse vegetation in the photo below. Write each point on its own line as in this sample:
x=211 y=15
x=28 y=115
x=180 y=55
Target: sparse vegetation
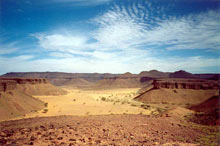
x=174 y=91
x=45 y=111
x=103 y=99
x=210 y=134
x=133 y=104
x=144 y=106
x=180 y=138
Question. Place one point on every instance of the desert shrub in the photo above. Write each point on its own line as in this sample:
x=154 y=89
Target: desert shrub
x=103 y=99
x=187 y=105
x=180 y=138
x=174 y=91
x=46 y=104
x=74 y=99
x=145 y=106
x=117 y=100
x=45 y=111
x=133 y=104
x=11 y=93
x=160 y=110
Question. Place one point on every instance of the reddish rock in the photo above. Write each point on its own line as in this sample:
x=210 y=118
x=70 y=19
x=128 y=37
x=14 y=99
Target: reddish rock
x=196 y=84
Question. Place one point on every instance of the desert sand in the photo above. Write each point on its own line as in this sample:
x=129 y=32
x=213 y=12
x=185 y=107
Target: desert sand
x=91 y=102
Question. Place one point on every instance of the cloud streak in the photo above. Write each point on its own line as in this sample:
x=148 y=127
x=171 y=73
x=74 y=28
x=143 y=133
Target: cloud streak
x=81 y=2
x=135 y=26
x=127 y=38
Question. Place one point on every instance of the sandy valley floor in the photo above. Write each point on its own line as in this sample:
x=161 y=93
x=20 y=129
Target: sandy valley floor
x=91 y=102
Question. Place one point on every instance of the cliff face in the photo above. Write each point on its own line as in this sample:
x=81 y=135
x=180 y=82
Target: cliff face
x=177 y=92
x=29 y=86
x=185 y=84
x=6 y=85
x=24 y=80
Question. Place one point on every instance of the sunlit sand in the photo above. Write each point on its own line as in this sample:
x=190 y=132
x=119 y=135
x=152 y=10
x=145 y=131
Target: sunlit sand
x=90 y=102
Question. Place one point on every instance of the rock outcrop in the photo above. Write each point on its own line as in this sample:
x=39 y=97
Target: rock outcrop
x=16 y=96
x=185 y=84
x=178 y=91
x=6 y=85
x=25 y=80
x=30 y=86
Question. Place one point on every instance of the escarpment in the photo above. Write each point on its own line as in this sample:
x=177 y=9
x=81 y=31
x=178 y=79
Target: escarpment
x=16 y=96
x=30 y=86
x=14 y=102
x=6 y=85
x=185 y=84
x=25 y=80
x=178 y=91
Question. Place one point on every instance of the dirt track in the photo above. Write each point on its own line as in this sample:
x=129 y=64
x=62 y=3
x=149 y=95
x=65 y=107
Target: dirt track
x=132 y=130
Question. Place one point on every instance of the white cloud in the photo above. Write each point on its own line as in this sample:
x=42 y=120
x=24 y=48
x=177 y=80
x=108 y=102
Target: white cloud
x=67 y=43
x=59 y=41
x=122 y=41
x=126 y=28
x=129 y=27
x=119 y=28
x=7 y=50
x=23 y=57
x=199 y=31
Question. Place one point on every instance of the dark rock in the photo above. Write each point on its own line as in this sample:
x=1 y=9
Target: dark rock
x=3 y=141
x=31 y=143
x=60 y=138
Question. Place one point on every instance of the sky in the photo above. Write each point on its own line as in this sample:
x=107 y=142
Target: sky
x=109 y=36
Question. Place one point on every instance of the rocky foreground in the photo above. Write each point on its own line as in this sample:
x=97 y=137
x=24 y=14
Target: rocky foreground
x=132 y=130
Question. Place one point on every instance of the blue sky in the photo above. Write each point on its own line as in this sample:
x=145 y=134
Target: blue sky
x=112 y=36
